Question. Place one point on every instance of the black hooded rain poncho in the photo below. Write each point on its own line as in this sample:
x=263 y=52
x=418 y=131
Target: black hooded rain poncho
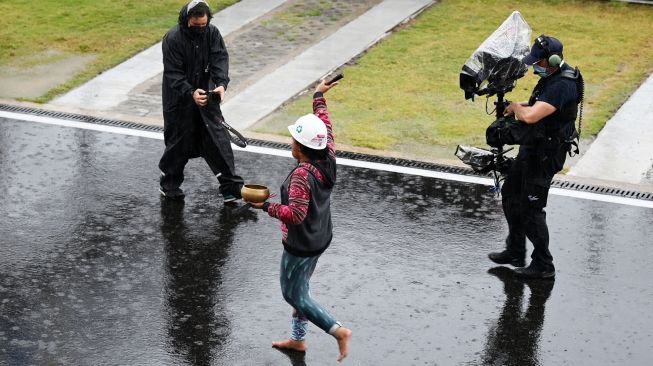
x=192 y=61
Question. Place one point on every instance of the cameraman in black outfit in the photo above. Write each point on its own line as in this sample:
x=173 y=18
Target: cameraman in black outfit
x=551 y=113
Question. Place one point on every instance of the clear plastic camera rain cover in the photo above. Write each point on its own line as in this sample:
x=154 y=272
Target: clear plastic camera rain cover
x=498 y=59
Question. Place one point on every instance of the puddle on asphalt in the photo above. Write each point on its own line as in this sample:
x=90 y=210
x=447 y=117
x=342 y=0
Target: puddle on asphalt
x=96 y=268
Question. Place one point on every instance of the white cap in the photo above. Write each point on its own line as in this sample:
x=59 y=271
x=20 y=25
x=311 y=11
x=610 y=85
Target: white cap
x=194 y=3
x=310 y=131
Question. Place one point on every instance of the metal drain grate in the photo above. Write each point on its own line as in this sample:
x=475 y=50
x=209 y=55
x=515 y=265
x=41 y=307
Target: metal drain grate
x=603 y=190
x=342 y=154
x=79 y=118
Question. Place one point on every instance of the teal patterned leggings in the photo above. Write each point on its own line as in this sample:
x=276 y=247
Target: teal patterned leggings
x=295 y=274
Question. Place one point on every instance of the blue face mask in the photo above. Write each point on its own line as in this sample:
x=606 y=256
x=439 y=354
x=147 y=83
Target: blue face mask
x=540 y=71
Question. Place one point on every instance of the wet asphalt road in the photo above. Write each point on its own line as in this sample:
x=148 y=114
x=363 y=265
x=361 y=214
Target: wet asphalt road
x=95 y=269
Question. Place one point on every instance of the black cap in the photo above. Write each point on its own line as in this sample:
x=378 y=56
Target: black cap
x=539 y=49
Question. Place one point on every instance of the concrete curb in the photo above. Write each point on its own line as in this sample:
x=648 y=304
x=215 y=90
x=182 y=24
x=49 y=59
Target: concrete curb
x=264 y=97
x=623 y=150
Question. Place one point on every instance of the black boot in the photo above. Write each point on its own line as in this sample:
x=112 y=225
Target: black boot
x=535 y=271
x=507 y=257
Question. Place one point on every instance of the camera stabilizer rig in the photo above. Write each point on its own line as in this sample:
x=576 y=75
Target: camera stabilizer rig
x=493 y=69
x=494 y=160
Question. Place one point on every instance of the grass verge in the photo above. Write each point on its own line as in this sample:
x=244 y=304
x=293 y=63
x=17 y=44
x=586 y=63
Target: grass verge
x=112 y=31
x=403 y=95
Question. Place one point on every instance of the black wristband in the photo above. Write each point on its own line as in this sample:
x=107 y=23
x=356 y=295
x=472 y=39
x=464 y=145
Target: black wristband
x=318 y=95
x=265 y=206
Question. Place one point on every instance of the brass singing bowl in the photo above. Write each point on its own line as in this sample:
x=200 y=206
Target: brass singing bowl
x=255 y=193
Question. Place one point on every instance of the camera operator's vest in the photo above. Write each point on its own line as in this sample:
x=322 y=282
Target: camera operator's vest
x=550 y=133
x=560 y=126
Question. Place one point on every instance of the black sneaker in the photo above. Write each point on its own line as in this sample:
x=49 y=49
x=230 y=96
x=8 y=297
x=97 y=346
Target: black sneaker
x=535 y=272
x=506 y=257
x=175 y=194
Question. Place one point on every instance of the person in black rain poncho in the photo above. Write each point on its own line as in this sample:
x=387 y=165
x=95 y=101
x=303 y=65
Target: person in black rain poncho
x=195 y=60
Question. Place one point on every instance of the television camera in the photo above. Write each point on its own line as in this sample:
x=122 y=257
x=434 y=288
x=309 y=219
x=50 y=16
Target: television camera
x=493 y=69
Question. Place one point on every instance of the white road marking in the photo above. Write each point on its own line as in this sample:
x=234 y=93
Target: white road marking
x=341 y=161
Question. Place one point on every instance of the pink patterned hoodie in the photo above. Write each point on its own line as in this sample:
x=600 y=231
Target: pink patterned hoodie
x=305 y=208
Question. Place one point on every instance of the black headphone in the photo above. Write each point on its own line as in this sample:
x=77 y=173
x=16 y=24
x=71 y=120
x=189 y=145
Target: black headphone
x=554 y=59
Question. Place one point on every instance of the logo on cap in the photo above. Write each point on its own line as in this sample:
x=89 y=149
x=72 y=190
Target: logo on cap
x=318 y=139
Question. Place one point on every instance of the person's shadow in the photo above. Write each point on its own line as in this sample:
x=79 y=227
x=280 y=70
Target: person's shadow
x=514 y=339
x=196 y=250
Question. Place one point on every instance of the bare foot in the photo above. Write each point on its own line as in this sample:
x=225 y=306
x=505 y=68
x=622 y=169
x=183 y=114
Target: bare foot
x=298 y=346
x=343 y=335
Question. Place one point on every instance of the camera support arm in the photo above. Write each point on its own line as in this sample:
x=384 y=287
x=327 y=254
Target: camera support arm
x=500 y=158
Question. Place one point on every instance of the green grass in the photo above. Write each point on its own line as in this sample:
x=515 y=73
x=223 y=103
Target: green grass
x=403 y=95
x=37 y=32
x=298 y=12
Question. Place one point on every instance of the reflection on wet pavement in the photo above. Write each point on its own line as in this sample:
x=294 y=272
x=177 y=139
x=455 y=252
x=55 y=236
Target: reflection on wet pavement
x=515 y=338
x=295 y=358
x=96 y=269
x=194 y=257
